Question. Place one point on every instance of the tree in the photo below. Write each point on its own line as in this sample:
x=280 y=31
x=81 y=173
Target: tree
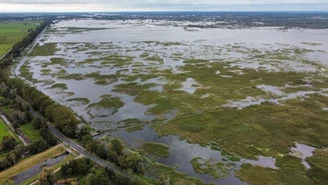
x=117 y=146
x=38 y=146
x=19 y=150
x=12 y=156
x=99 y=177
x=5 y=163
x=101 y=151
x=18 y=118
x=84 y=130
x=36 y=123
x=86 y=139
x=63 y=118
x=164 y=180
x=8 y=143
x=133 y=160
x=46 y=176
x=76 y=167
x=3 y=101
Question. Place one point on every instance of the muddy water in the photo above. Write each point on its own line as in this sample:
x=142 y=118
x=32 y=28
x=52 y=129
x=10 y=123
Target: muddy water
x=128 y=39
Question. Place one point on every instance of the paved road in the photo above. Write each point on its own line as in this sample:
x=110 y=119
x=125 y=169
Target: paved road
x=80 y=149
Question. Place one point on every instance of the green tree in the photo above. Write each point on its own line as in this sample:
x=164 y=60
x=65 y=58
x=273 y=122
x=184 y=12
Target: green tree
x=101 y=151
x=12 y=156
x=133 y=161
x=46 y=176
x=99 y=177
x=36 y=123
x=18 y=118
x=8 y=143
x=63 y=118
x=19 y=150
x=84 y=130
x=117 y=146
x=86 y=139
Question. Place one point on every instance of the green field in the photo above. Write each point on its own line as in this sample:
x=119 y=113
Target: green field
x=4 y=130
x=13 y=32
x=31 y=132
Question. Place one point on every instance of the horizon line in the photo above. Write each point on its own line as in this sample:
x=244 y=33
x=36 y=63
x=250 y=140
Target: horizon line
x=167 y=11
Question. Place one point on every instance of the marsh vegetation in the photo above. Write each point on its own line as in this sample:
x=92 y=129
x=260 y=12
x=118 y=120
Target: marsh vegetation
x=235 y=91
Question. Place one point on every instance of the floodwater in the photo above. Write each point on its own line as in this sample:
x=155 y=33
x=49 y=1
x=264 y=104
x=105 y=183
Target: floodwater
x=303 y=151
x=173 y=44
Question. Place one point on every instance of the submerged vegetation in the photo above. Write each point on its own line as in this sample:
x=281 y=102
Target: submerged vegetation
x=224 y=96
x=157 y=149
x=131 y=125
x=48 y=49
x=82 y=100
x=211 y=167
x=59 y=86
x=108 y=102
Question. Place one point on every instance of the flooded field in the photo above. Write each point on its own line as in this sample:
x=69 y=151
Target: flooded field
x=220 y=99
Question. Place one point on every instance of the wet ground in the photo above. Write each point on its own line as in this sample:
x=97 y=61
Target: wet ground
x=142 y=48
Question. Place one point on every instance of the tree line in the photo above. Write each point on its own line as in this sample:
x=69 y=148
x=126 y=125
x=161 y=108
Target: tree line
x=20 y=97
x=16 y=151
x=63 y=118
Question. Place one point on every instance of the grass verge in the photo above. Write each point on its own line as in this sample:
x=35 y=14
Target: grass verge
x=30 y=161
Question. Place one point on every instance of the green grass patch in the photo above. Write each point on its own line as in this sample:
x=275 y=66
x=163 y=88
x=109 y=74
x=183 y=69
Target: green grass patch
x=32 y=133
x=133 y=88
x=56 y=61
x=291 y=171
x=155 y=58
x=131 y=125
x=4 y=130
x=101 y=82
x=59 y=86
x=12 y=32
x=319 y=166
x=100 y=77
x=75 y=76
x=108 y=102
x=82 y=100
x=25 y=73
x=257 y=175
x=47 y=49
x=157 y=149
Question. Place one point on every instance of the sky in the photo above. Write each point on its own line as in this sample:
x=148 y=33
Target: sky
x=160 y=5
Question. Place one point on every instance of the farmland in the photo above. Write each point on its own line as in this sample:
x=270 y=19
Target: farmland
x=13 y=32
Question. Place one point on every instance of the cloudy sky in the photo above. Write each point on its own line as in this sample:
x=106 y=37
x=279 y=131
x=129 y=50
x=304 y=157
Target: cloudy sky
x=160 y=5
